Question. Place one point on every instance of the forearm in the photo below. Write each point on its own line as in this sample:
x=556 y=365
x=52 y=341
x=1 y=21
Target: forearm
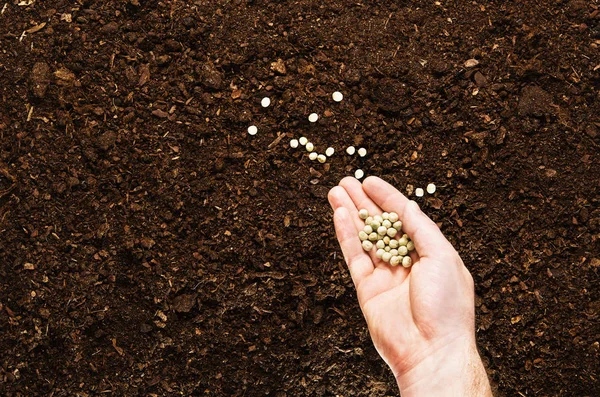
x=456 y=371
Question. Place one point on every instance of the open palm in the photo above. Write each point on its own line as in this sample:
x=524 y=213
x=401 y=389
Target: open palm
x=411 y=313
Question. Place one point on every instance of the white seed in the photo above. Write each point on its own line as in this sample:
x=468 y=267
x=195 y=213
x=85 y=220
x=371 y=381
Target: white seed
x=402 y=250
x=303 y=140
x=363 y=214
x=252 y=130
x=373 y=236
x=368 y=229
x=379 y=253
x=385 y=216
x=313 y=156
x=431 y=188
x=419 y=192
x=386 y=257
x=397 y=225
x=310 y=147
x=266 y=101
x=392 y=232
x=350 y=150
x=394 y=252
x=410 y=246
x=367 y=245
x=403 y=241
x=358 y=174
x=386 y=223
x=406 y=261
x=363 y=236
x=393 y=217
x=394 y=243
x=395 y=260
x=380 y=244
x=386 y=240
x=329 y=152
x=294 y=143
x=321 y=158
x=362 y=152
x=337 y=96
x=313 y=117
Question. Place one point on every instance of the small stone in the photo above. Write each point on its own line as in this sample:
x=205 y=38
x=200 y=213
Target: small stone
x=471 y=63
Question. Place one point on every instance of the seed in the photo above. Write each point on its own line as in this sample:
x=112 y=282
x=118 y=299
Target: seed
x=395 y=260
x=382 y=230
x=313 y=117
x=362 y=235
x=252 y=130
x=394 y=243
x=387 y=248
x=373 y=236
x=368 y=220
x=313 y=156
x=379 y=253
x=402 y=250
x=378 y=218
x=392 y=232
x=337 y=96
x=393 y=252
x=380 y=244
x=386 y=257
x=294 y=143
x=375 y=224
x=419 y=192
x=385 y=216
x=350 y=150
x=368 y=229
x=397 y=225
x=265 y=102
x=329 y=152
x=303 y=140
x=410 y=246
x=431 y=188
x=367 y=245
x=386 y=240
x=358 y=174
x=406 y=261
x=362 y=152
x=321 y=158
x=403 y=241
x=363 y=214
x=386 y=223
x=393 y=217
x=310 y=147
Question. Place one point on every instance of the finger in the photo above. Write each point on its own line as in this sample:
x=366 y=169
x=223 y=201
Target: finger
x=428 y=238
x=338 y=197
x=358 y=195
x=384 y=195
x=358 y=261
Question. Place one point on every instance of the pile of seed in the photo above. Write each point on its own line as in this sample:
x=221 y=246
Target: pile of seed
x=380 y=231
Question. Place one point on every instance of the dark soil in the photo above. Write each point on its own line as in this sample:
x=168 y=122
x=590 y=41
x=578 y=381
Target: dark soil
x=149 y=246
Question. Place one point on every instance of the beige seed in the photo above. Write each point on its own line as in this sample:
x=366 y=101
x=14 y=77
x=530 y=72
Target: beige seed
x=368 y=229
x=380 y=244
x=375 y=225
x=363 y=236
x=386 y=257
x=379 y=253
x=369 y=220
x=373 y=236
x=410 y=246
x=393 y=217
x=386 y=239
x=406 y=261
x=397 y=225
x=387 y=248
x=321 y=158
x=367 y=245
x=403 y=241
x=378 y=218
x=391 y=232
x=395 y=260
x=385 y=215
x=394 y=252
x=402 y=250
x=386 y=223
x=313 y=156
x=363 y=214
x=382 y=230
x=394 y=243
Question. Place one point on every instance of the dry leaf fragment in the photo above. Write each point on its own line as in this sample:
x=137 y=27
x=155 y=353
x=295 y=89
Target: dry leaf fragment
x=36 y=28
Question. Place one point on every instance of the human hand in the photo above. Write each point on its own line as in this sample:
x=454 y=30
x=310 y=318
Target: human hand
x=421 y=319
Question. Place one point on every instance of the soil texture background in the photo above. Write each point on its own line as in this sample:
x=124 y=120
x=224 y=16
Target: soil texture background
x=150 y=247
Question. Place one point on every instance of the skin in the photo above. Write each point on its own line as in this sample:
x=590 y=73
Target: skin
x=421 y=319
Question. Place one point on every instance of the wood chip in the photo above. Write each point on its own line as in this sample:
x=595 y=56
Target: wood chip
x=36 y=28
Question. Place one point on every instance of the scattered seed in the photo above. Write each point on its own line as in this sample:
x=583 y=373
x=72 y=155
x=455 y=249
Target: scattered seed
x=350 y=150
x=313 y=117
x=362 y=152
x=363 y=214
x=294 y=143
x=337 y=96
x=321 y=158
x=358 y=174
x=329 y=152
x=367 y=245
x=431 y=188
x=266 y=101
x=406 y=261
x=310 y=147
x=313 y=156
x=303 y=140
x=419 y=192
x=252 y=130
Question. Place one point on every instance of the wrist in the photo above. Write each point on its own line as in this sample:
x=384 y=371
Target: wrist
x=455 y=369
